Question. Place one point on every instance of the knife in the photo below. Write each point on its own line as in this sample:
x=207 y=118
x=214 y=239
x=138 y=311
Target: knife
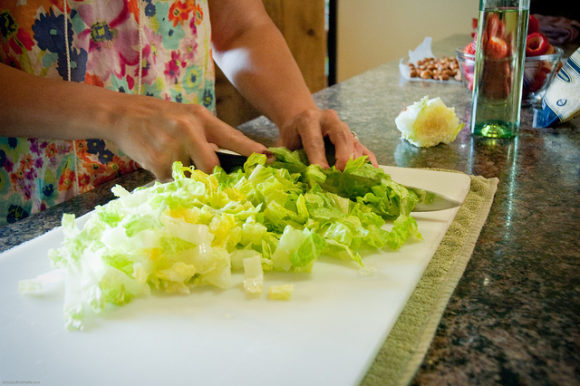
x=430 y=202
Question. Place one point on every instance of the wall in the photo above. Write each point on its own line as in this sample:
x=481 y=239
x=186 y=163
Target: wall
x=371 y=32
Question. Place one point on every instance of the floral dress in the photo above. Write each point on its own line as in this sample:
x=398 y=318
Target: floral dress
x=150 y=47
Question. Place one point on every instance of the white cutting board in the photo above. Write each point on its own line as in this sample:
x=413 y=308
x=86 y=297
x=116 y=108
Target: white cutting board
x=329 y=333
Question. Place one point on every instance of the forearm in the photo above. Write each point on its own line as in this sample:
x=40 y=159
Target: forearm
x=31 y=106
x=260 y=65
x=153 y=132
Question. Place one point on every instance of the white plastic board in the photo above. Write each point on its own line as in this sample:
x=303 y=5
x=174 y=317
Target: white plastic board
x=328 y=333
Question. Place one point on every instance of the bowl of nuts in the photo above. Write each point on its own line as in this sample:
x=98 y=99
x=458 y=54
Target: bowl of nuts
x=439 y=69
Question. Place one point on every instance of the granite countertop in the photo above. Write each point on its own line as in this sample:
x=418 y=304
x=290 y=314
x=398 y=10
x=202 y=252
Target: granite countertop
x=514 y=316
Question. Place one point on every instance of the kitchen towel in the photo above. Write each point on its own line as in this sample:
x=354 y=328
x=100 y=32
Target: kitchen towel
x=404 y=349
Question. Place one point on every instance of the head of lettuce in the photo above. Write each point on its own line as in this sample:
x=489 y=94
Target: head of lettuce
x=428 y=122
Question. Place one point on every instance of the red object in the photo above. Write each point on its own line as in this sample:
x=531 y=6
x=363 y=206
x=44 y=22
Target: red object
x=538 y=79
x=470 y=48
x=469 y=79
x=496 y=47
x=474 y=27
x=535 y=78
x=537 y=44
x=533 y=25
x=495 y=27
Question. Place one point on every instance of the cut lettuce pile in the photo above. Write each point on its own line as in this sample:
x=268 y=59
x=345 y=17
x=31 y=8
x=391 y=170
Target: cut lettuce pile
x=198 y=228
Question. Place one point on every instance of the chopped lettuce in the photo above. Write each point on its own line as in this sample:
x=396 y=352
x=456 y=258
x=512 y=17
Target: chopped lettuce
x=198 y=228
x=280 y=292
x=253 y=275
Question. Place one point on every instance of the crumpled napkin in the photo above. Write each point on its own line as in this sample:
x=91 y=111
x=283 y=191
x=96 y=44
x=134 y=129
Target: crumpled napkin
x=559 y=30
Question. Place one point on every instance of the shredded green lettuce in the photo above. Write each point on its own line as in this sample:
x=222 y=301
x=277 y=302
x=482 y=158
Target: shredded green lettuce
x=193 y=231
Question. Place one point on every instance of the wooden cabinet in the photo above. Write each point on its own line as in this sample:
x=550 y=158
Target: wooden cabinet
x=302 y=23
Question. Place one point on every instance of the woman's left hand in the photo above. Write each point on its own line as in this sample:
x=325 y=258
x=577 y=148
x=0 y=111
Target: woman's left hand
x=308 y=130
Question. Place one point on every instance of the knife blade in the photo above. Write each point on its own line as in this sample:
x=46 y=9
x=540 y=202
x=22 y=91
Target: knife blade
x=430 y=201
x=433 y=202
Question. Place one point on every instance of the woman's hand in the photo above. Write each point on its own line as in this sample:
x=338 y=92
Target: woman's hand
x=155 y=133
x=309 y=128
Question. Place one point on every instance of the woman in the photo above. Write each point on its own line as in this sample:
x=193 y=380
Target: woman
x=151 y=61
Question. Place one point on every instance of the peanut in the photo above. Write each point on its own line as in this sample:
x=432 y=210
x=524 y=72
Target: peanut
x=426 y=74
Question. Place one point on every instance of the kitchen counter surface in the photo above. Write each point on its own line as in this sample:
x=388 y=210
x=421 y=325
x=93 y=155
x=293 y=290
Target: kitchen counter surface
x=514 y=316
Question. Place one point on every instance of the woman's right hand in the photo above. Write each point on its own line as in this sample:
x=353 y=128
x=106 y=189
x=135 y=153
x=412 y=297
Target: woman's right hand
x=155 y=133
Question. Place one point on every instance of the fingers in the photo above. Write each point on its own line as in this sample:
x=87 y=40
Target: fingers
x=213 y=134
x=289 y=137
x=344 y=148
x=368 y=153
x=340 y=135
x=158 y=155
x=223 y=135
x=305 y=131
x=202 y=153
x=311 y=133
x=312 y=126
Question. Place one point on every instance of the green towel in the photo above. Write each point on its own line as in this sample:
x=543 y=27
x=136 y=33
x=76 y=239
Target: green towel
x=410 y=338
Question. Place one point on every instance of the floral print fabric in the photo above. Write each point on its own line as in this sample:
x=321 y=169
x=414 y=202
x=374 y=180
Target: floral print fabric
x=151 y=47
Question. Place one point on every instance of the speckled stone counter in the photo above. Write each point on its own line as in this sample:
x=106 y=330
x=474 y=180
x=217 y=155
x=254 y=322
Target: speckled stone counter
x=515 y=315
